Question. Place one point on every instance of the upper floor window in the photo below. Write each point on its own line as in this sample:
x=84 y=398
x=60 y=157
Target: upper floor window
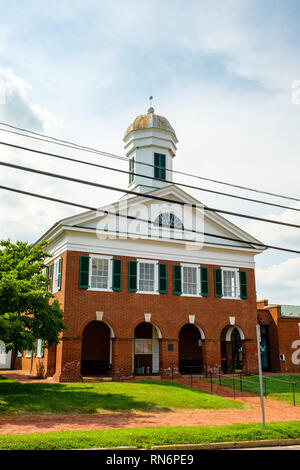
x=230 y=283
x=159 y=166
x=147 y=276
x=190 y=280
x=168 y=219
x=131 y=170
x=55 y=274
x=100 y=273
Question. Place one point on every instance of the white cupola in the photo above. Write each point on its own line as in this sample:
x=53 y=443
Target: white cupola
x=150 y=145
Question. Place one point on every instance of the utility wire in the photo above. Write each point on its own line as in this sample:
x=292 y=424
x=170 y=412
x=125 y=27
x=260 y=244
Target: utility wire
x=106 y=212
x=73 y=145
x=145 y=195
x=105 y=167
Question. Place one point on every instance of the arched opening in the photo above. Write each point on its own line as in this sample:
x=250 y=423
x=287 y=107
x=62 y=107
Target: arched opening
x=96 y=355
x=190 y=349
x=146 y=349
x=232 y=349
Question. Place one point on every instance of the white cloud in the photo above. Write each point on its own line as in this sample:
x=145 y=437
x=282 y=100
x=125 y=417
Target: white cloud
x=280 y=283
x=16 y=105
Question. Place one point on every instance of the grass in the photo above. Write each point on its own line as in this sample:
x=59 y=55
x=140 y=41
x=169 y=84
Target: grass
x=280 y=390
x=149 y=437
x=18 y=398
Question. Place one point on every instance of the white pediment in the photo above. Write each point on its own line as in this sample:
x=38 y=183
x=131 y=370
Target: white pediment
x=148 y=209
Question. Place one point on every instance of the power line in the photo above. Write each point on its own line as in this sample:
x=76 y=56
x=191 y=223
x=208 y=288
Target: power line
x=106 y=212
x=105 y=167
x=56 y=141
x=145 y=195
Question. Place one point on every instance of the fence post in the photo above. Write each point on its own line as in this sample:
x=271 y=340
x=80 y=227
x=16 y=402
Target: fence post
x=293 y=385
x=191 y=377
x=233 y=387
x=241 y=385
x=220 y=383
x=211 y=383
x=265 y=380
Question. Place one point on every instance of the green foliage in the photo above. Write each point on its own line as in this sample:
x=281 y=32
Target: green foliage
x=26 y=312
x=149 y=437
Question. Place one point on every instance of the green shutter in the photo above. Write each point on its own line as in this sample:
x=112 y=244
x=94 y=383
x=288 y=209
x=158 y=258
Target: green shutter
x=243 y=285
x=117 y=274
x=132 y=276
x=59 y=274
x=177 y=289
x=218 y=283
x=204 y=282
x=51 y=277
x=163 y=282
x=84 y=272
x=159 y=166
x=131 y=170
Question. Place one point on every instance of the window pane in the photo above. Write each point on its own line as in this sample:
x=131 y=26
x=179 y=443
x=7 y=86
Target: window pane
x=189 y=280
x=146 y=279
x=229 y=278
x=99 y=278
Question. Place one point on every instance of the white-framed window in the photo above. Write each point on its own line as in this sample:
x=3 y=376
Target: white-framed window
x=147 y=277
x=143 y=346
x=28 y=353
x=100 y=273
x=168 y=219
x=230 y=283
x=40 y=348
x=56 y=276
x=190 y=280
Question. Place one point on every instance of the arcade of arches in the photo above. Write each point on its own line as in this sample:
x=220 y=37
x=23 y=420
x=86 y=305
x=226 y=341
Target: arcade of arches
x=148 y=355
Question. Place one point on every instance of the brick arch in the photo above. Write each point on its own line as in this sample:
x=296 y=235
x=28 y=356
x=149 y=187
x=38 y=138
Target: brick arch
x=230 y=328
x=160 y=330
x=196 y=324
x=107 y=321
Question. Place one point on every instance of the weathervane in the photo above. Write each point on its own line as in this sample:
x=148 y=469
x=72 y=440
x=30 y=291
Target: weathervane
x=151 y=109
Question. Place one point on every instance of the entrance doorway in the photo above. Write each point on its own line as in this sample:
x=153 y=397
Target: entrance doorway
x=190 y=350
x=231 y=349
x=96 y=349
x=146 y=349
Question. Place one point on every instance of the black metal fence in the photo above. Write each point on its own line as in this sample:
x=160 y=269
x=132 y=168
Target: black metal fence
x=239 y=382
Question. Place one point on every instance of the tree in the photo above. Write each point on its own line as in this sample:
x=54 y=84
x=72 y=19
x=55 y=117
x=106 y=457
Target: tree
x=27 y=311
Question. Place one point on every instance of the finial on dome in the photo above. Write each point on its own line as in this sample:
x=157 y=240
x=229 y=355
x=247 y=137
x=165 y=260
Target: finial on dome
x=151 y=109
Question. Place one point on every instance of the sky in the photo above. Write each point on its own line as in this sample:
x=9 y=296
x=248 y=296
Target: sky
x=226 y=74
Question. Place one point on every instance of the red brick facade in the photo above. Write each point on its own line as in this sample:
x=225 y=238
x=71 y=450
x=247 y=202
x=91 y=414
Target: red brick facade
x=284 y=337
x=124 y=310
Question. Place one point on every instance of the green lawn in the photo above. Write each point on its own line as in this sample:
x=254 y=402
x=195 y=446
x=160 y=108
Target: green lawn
x=149 y=437
x=34 y=398
x=278 y=388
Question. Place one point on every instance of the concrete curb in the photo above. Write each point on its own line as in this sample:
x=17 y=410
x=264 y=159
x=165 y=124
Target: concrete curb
x=230 y=445
x=213 y=445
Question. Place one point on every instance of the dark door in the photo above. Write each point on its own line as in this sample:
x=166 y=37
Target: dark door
x=237 y=351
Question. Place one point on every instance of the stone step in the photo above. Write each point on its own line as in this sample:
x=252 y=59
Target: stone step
x=97 y=379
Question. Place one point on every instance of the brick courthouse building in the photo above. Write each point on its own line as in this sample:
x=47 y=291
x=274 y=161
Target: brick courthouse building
x=143 y=298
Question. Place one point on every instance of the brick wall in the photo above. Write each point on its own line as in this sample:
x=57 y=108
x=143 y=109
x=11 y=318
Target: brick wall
x=283 y=335
x=124 y=310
